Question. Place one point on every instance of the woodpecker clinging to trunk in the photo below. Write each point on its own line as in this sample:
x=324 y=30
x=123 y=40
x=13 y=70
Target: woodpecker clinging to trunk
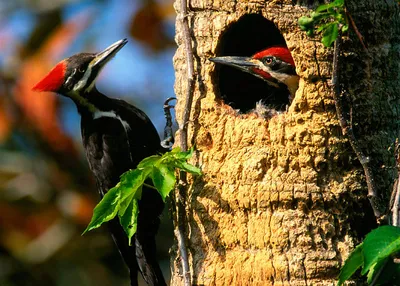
x=274 y=65
x=116 y=137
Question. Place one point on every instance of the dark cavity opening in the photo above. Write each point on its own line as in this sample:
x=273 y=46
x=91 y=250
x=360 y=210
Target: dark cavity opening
x=250 y=34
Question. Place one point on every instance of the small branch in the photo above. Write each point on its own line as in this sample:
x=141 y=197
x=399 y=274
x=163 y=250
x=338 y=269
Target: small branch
x=169 y=140
x=353 y=24
x=378 y=274
x=190 y=75
x=395 y=203
x=180 y=233
x=395 y=198
x=180 y=218
x=347 y=130
x=150 y=186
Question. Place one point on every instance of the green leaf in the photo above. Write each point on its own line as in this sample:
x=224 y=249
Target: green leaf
x=129 y=219
x=330 y=35
x=187 y=167
x=318 y=17
x=305 y=23
x=345 y=28
x=326 y=19
x=183 y=155
x=175 y=150
x=352 y=263
x=390 y=274
x=376 y=270
x=323 y=27
x=380 y=244
x=164 y=179
x=124 y=204
x=325 y=7
x=132 y=180
x=339 y=17
x=107 y=209
x=115 y=200
x=123 y=198
x=149 y=162
x=339 y=3
x=334 y=4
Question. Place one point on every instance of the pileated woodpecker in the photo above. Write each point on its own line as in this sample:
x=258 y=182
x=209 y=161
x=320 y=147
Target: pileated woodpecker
x=274 y=65
x=116 y=137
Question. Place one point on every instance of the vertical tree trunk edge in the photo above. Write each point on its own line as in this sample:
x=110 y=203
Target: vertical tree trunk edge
x=283 y=201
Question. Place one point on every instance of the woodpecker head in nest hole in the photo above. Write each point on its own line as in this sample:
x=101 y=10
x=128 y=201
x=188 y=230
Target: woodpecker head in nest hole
x=274 y=65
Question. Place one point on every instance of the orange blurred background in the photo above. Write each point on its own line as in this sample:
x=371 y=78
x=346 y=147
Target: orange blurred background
x=47 y=193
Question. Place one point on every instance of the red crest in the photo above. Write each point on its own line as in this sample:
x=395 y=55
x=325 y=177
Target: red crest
x=280 y=52
x=53 y=80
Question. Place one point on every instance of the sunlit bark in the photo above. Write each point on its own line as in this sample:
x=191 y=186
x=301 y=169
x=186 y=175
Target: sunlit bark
x=284 y=200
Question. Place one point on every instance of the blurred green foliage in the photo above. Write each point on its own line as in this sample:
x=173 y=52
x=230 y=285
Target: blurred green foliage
x=47 y=193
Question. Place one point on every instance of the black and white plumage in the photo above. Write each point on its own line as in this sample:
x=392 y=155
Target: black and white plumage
x=275 y=66
x=116 y=137
x=116 y=140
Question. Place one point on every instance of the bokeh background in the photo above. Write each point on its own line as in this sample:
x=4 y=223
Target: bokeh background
x=47 y=193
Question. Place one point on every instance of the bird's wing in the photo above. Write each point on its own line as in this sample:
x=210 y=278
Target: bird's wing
x=107 y=150
x=108 y=153
x=143 y=135
x=113 y=146
x=144 y=142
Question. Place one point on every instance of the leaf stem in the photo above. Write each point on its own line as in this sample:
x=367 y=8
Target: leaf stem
x=150 y=186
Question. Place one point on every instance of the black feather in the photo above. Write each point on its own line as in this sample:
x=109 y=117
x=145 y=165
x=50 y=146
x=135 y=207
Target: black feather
x=112 y=149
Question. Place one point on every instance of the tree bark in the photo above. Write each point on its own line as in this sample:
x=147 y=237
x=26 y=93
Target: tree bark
x=284 y=200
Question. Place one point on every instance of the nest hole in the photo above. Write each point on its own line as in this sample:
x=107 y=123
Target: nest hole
x=250 y=34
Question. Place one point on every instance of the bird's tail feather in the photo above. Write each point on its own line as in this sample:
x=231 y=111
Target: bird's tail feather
x=127 y=252
x=150 y=208
x=146 y=260
x=140 y=256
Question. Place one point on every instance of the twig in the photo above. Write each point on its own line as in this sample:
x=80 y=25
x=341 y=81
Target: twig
x=169 y=140
x=190 y=76
x=180 y=232
x=182 y=186
x=347 y=130
x=395 y=203
x=353 y=24
x=150 y=186
x=395 y=197
x=378 y=273
x=361 y=39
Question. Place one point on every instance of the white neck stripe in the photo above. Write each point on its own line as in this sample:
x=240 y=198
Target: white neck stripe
x=81 y=84
x=98 y=114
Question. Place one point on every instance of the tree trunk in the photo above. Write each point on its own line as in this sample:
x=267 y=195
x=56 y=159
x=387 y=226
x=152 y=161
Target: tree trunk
x=284 y=200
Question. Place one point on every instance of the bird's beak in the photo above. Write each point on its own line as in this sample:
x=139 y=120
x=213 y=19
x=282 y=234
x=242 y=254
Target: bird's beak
x=242 y=63
x=105 y=56
x=246 y=64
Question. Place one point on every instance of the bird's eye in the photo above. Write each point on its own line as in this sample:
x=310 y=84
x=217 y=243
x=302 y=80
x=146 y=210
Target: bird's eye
x=81 y=70
x=269 y=60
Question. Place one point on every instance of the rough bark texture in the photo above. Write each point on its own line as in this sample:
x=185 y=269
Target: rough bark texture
x=283 y=201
